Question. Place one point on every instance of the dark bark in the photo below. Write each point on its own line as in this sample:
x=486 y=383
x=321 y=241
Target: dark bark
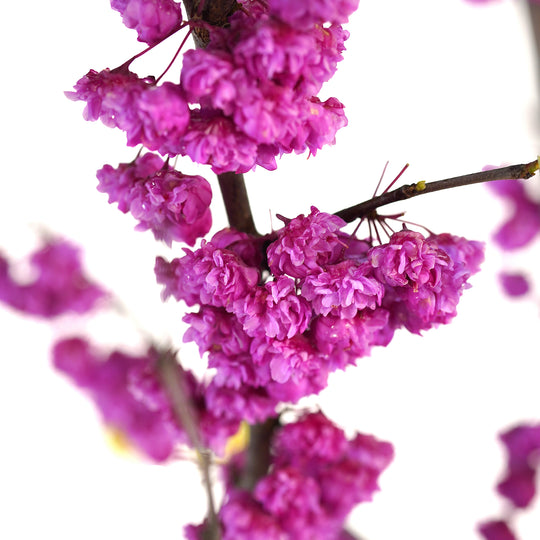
x=364 y=209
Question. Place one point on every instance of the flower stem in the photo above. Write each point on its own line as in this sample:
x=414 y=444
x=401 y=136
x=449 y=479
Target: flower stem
x=365 y=208
x=175 y=385
x=235 y=198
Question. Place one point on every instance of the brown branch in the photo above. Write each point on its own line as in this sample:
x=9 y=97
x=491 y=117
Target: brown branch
x=257 y=454
x=175 y=385
x=235 y=198
x=365 y=208
x=212 y=12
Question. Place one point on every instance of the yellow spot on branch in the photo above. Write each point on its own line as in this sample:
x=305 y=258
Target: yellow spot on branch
x=420 y=186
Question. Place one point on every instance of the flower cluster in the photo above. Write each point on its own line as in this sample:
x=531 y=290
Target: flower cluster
x=252 y=90
x=518 y=485
x=174 y=206
x=59 y=286
x=276 y=337
x=315 y=479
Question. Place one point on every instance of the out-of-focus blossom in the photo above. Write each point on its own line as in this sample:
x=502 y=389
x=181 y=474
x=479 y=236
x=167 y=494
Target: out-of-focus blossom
x=60 y=285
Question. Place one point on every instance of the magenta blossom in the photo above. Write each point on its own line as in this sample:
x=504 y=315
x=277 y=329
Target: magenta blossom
x=274 y=310
x=524 y=223
x=211 y=276
x=514 y=284
x=172 y=205
x=112 y=97
x=153 y=20
x=496 y=530
x=130 y=396
x=60 y=285
x=306 y=244
x=304 y=13
x=523 y=451
x=408 y=258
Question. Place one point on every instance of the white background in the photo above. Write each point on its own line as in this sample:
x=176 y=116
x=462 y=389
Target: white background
x=442 y=85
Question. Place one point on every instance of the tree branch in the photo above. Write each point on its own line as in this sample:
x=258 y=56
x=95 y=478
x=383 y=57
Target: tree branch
x=257 y=454
x=174 y=382
x=365 y=208
x=235 y=198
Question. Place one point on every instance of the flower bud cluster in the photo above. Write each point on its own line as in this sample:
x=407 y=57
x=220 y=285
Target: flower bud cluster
x=246 y=98
x=274 y=338
x=316 y=477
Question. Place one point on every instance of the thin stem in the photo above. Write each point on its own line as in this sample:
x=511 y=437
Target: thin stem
x=396 y=178
x=235 y=198
x=175 y=56
x=380 y=179
x=513 y=172
x=127 y=63
x=175 y=385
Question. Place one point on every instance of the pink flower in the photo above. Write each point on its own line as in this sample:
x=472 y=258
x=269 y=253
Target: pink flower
x=172 y=205
x=496 y=529
x=514 y=284
x=153 y=20
x=111 y=96
x=306 y=245
x=304 y=13
x=59 y=287
x=274 y=310
x=164 y=118
x=408 y=258
x=209 y=276
x=524 y=223
x=343 y=289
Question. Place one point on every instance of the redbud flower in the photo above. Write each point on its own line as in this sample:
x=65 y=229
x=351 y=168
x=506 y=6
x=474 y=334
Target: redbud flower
x=343 y=289
x=213 y=329
x=152 y=19
x=274 y=310
x=243 y=518
x=306 y=244
x=111 y=96
x=164 y=117
x=59 y=287
x=496 y=529
x=408 y=259
x=172 y=205
x=214 y=139
x=127 y=393
x=345 y=340
x=514 y=284
x=523 y=450
x=291 y=359
x=524 y=224
x=304 y=13
x=295 y=502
